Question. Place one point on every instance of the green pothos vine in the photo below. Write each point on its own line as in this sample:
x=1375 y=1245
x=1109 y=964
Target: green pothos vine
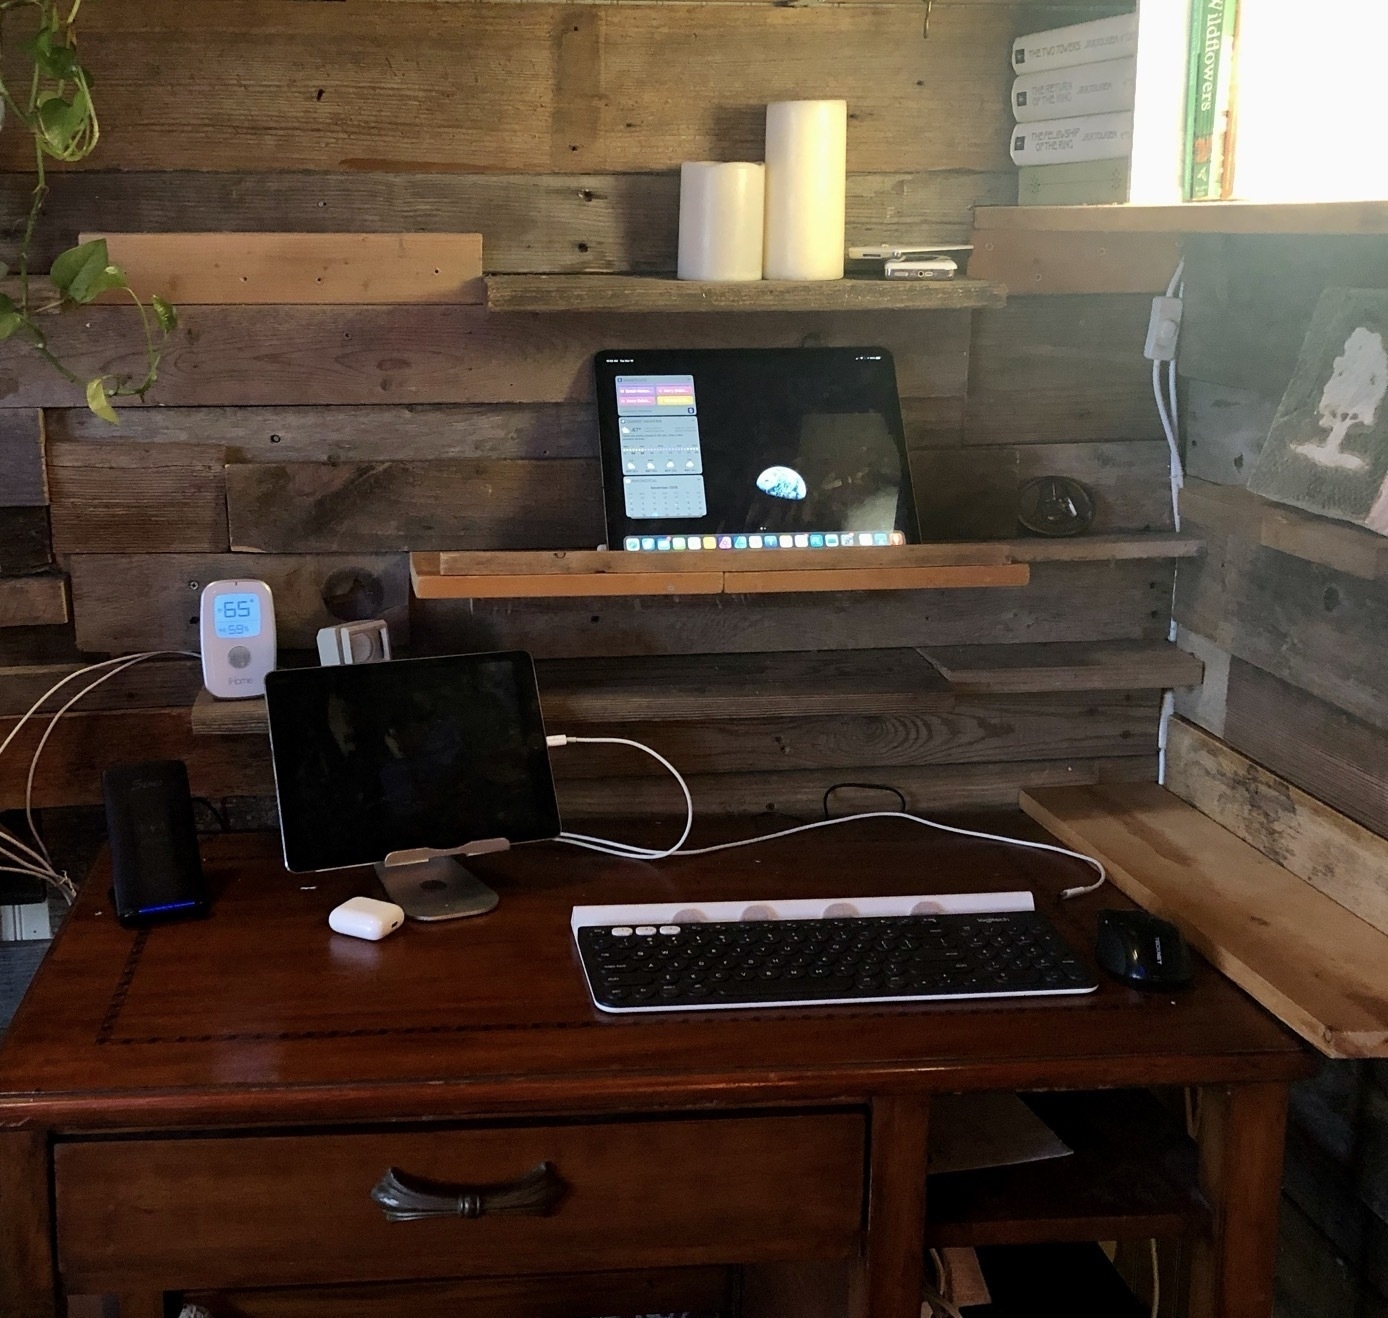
x=52 y=99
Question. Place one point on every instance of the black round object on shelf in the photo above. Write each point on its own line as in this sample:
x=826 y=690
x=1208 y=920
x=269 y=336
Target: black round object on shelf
x=1055 y=506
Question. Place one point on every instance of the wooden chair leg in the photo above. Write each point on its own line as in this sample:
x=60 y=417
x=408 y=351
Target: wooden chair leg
x=26 y=1259
x=1242 y=1132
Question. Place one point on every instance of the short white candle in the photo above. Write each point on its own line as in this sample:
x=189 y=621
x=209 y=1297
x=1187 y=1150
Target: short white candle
x=722 y=210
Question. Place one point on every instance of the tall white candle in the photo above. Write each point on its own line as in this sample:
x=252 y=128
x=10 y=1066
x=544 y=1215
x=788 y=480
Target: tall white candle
x=806 y=168
x=722 y=210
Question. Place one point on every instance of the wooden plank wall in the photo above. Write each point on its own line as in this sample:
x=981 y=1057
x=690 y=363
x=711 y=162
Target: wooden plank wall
x=338 y=437
x=1292 y=627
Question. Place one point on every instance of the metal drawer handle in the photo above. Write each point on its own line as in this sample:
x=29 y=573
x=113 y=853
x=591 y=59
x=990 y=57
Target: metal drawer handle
x=406 y=1198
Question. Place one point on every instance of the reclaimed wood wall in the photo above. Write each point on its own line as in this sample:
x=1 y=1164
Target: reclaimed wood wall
x=336 y=438
x=1290 y=614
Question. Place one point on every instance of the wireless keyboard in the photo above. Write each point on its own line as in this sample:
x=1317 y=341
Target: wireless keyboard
x=702 y=963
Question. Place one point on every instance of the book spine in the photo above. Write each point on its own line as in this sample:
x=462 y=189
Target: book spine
x=1207 y=103
x=1098 y=88
x=1082 y=43
x=1090 y=137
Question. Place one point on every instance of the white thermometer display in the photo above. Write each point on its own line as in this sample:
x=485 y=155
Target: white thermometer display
x=237 y=626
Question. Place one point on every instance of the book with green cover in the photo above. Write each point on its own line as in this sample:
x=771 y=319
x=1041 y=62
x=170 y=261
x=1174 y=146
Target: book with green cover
x=1078 y=183
x=1209 y=90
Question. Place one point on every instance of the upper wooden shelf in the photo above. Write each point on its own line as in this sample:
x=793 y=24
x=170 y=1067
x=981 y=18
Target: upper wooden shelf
x=643 y=293
x=1368 y=217
x=582 y=573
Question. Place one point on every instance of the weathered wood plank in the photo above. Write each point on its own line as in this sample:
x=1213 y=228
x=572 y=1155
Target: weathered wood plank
x=1122 y=601
x=1032 y=262
x=23 y=479
x=128 y=602
x=1317 y=628
x=1225 y=429
x=972 y=492
x=39 y=601
x=800 y=794
x=1334 y=756
x=1105 y=666
x=978 y=730
x=1322 y=540
x=83 y=745
x=316 y=508
x=264 y=268
x=1061 y=369
x=160 y=683
x=133 y=498
x=531 y=223
x=427 y=354
x=1204 y=705
x=645 y=293
x=24 y=540
x=1310 y=962
x=549 y=88
x=1330 y=851
x=383 y=433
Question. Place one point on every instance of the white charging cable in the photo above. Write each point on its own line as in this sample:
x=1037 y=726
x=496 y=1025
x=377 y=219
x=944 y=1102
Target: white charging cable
x=17 y=856
x=628 y=851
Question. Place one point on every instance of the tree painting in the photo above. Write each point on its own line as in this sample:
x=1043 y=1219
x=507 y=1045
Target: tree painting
x=1351 y=397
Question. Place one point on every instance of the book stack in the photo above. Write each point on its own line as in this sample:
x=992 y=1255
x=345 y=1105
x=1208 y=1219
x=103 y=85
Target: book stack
x=1073 y=103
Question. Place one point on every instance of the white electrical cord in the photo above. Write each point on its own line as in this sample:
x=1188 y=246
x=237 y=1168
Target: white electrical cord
x=628 y=851
x=17 y=856
x=1167 y=408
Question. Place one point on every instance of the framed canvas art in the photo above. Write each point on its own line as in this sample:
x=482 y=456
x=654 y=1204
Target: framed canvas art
x=1327 y=451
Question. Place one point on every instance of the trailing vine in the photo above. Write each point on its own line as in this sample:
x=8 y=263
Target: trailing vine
x=52 y=100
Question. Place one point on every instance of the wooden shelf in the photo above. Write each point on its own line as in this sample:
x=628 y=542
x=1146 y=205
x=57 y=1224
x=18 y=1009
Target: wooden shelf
x=1235 y=510
x=1131 y=1176
x=580 y=573
x=1064 y=666
x=644 y=293
x=1339 y=217
x=1308 y=960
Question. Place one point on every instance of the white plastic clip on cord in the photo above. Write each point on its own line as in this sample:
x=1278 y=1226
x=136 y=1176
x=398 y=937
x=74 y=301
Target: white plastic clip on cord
x=628 y=851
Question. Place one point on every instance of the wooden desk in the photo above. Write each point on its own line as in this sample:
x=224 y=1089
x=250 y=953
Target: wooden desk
x=205 y=1107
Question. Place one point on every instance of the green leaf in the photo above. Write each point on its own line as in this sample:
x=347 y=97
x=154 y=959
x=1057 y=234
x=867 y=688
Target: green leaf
x=68 y=267
x=100 y=403
x=92 y=281
x=58 y=62
x=59 y=121
x=166 y=313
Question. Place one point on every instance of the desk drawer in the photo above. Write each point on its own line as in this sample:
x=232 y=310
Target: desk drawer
x=248 y=1211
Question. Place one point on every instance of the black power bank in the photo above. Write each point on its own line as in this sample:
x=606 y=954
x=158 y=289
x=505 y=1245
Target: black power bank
x=156 y=868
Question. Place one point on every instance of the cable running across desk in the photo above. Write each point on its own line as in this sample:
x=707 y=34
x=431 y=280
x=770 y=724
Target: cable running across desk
x=630 y=851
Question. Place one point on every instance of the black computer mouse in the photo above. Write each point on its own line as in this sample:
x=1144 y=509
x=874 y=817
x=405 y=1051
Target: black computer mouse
x=1142 y=950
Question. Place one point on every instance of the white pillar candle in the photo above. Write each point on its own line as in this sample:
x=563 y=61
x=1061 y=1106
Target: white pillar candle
x=806 y=168
x=722 y=210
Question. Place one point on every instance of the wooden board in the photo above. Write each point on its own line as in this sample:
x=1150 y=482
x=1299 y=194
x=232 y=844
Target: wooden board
x=24 y=540
x=1310 y=962
x=83 y=745
x=133 y=497
x=1336 y=757
x=263 y=268
x=1123 y=601
x=383 y=433
x=549 y=88
x=1319 y=629
x=447 y=504
x=1330 y=851
x=1106 y=666
x=1370 y=217
x=128 y=602
x=1225 y=429
x=1061 y=369
x=39 y=601
x=1028 y=262
x=642 y=293
x=972 y=492
x=1322 y=540
x=23 y=480
x=238 y=356
x=153 y=684
x=535 y=222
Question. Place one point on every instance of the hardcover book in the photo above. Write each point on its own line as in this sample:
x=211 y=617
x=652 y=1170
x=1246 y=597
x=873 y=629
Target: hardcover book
x=1090 y=137
x=1082 y=89
x=1327 y=451
x=1209 y=98
x=1080 y=43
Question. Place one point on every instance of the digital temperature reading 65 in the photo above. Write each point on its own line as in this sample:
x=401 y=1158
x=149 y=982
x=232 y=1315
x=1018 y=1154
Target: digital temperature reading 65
x=236 y=616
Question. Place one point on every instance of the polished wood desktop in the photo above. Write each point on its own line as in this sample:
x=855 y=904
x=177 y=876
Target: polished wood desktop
x=206 y=1107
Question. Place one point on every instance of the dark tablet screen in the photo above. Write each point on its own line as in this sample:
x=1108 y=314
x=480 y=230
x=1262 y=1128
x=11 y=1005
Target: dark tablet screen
x=752 y=448
x=383 y=757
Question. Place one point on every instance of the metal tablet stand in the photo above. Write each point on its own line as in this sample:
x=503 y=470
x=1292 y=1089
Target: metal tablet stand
x=431 y=885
